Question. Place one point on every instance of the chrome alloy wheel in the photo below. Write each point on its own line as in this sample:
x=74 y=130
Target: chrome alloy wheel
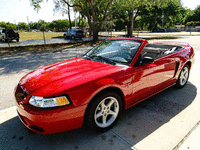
x=184 y=76
x=106 y=112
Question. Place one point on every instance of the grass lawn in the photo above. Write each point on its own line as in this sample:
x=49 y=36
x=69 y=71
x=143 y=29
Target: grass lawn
x=38 y=35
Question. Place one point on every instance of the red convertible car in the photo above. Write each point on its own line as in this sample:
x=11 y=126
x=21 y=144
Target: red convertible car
x=94 y=89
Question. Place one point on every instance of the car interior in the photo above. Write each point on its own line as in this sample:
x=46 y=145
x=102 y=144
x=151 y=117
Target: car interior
x=158 y=50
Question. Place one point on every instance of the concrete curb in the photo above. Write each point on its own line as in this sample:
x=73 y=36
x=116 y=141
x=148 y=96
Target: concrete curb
x=7 y=114
x=186 y=137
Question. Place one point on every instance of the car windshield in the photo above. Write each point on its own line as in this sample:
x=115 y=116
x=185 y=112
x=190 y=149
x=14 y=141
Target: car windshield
x=114 y=51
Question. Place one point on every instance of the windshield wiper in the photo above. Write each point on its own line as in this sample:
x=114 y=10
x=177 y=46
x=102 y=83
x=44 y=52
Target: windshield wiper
x=103 y=58
x=86 y=57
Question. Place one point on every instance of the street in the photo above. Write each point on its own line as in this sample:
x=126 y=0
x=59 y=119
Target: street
x=40 y=42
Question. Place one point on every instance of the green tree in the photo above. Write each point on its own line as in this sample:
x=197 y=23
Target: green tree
x=2 y=24
x=60 y=25
x=22 y=26
x=8 y=25
x=160 y=15
x=82 y=22
x=129 y=10
x=64 y=8
x=33 y=25
x=194 y=15
x=96 y=11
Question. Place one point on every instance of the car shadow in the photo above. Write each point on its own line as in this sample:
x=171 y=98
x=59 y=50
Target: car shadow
x=134 y=125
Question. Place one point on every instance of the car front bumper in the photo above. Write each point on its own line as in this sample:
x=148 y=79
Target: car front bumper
x=50 y=121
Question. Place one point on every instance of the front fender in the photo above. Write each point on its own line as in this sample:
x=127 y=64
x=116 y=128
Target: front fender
x=84 y=93
x=101 y=85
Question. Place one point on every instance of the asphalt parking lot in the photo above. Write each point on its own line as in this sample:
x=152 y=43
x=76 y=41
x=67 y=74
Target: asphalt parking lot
x=40 y=42
x=160 y=122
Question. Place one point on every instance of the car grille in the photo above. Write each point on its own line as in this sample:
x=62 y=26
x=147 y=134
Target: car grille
x=20 y=94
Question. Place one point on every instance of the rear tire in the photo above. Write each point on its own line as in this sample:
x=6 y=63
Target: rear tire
x=104 y=111
x=72 y=37
x=183 y=76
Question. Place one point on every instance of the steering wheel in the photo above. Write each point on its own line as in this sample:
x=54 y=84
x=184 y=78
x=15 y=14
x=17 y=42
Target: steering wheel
x=128 y=57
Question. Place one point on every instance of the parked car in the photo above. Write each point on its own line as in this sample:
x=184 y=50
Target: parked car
x=159 y=30
x=73 y=33
x=8 y=34
x=94 y=89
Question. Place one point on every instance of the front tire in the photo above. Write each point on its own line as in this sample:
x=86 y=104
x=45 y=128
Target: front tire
x=183 y=76
x=103 y=112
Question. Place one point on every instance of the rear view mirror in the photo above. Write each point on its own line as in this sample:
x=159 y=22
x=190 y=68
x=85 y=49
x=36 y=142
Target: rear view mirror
x=147 y=60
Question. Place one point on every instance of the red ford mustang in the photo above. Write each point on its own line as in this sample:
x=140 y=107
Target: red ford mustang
x=93 y=90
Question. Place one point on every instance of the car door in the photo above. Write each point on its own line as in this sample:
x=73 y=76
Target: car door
x=142 y=82
x=151 y=78
x=165 y=71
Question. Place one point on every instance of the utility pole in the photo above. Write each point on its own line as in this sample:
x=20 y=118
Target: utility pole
x=162 y=20
x=28 y=23
x=16 y=24
x=75 y=17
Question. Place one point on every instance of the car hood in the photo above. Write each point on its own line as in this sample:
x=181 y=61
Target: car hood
x=72 y=72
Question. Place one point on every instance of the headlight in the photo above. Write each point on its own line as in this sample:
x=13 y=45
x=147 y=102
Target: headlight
x=48 y=102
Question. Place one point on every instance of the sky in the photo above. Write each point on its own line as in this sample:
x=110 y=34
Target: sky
x=15 y=11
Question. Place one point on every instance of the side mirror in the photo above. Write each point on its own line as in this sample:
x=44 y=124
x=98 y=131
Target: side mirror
x=147 y=60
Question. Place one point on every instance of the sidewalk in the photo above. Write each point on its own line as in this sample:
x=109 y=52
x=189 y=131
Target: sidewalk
x=192 y=139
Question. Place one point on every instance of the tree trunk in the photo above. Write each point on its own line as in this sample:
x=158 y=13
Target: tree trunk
x=95 y=35
x=79 y=21
x=131 y=28
x=154 y=24
x=70 y=22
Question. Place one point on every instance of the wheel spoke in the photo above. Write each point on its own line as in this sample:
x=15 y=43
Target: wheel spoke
x=110 y=103
x=104 y=119
x=185 y=77
x=103 y=104
x=98 y=114
x=182 y=75
x=185 y=71
x=113 y=113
